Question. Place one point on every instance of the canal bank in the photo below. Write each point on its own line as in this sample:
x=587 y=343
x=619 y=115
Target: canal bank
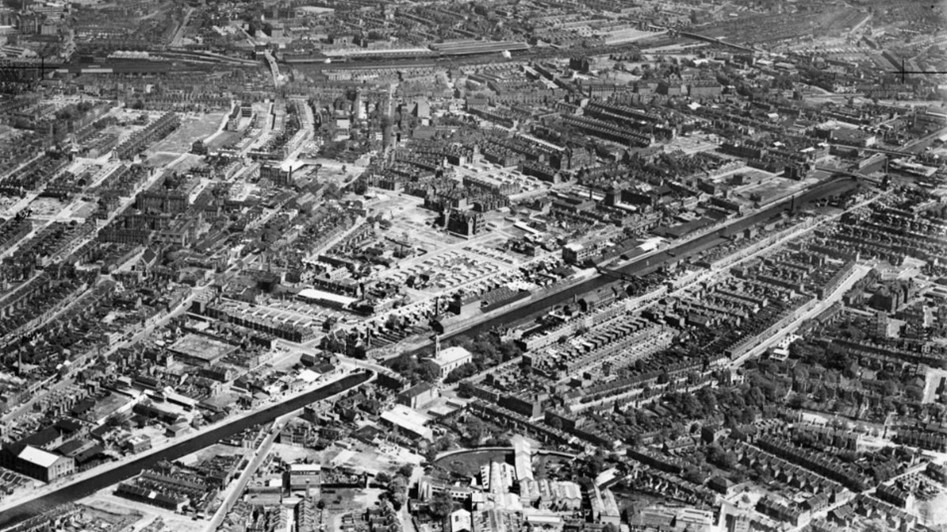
x=86 y=486
x=647 y=264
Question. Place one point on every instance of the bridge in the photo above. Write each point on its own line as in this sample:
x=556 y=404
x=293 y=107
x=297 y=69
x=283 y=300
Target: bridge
x=715 y=40
x=274 y=69
x=12 y=512
x=615 y=274
x=854 y=175
x=886 y=151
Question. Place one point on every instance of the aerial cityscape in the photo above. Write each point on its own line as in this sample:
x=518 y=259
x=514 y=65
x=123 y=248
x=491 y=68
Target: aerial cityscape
x=473 y=265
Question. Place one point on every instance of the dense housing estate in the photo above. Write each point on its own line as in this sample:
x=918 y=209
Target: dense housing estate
x=445 y=266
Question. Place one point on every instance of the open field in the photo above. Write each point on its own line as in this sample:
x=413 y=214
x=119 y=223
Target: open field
x=106 y=501
x=191 y=129
x=468 y=464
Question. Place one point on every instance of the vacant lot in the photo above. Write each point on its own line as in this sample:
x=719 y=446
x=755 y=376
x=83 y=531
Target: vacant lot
x=468 y=464
x=191 y=129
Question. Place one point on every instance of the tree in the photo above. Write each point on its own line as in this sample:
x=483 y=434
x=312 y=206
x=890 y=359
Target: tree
x=509 y=351
x=465 y=389
x=584 y=482
x=406 y=470
x=800 y=374
x=332 y=191
x=891 y=388
x=692 y=474
x=723 y=459
x=430 y=454
x=692 y=407
x=476 y=430
x=796 y=401
x=755 y=396
x=441 y=506
x=498 y=440
x=707 y=398
x=936 y=411
x=462 y=372
x=396 y=492
x=737 y=434
x=596 y=464
x=914 y=393
x=427 y=372
x=393 y=321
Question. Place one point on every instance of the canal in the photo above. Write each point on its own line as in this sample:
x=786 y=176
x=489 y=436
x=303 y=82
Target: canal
x=645 y=265
x=83 y=488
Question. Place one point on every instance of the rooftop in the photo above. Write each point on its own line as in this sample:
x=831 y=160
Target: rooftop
x=38 y=456
x=305 y=468
x=451 y=354
x=312 y=294
x=202 y=347
x=408 y=419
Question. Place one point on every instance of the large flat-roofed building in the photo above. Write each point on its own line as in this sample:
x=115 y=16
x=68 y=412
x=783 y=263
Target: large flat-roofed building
x=201 y=350
x=459 y=521
x=523 y=454
x=576 y=253
x=447 y=360
x=604 y=508
x=408 y=421
x=471 y=46
x=417 y=396
x=326 y=299
x=305 y=476
x=37 y=463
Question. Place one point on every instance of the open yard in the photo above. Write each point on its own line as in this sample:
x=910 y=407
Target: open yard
x=224 y=139
x=468 y=464
x=550 y=466
x=107 y=502
x=191 y=129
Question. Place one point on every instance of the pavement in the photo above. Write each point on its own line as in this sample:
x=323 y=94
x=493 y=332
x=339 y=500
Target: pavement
x=223 y=124
x=179 y=33
x=235 y=491
x=918 y=145
x=640 y=259
x=125 y=202
x=860 y=272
